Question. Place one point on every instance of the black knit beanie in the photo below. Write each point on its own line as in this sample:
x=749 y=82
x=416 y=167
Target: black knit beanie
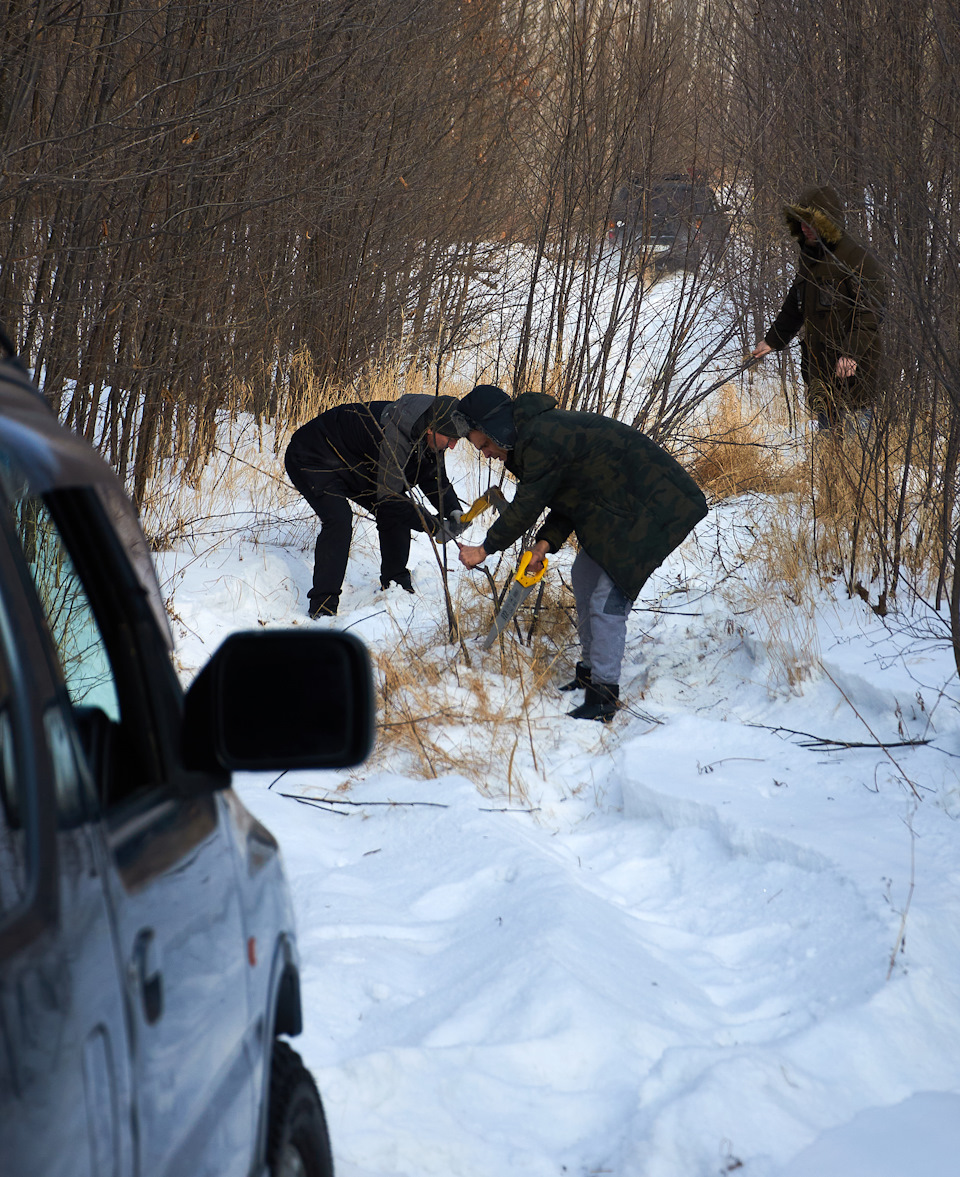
x=490 y=410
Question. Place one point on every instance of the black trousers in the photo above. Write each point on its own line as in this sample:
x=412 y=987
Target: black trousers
x=329 y=493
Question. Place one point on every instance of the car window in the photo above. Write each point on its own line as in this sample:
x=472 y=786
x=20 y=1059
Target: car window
x=121 y=514
x=664 y=203
x=667 y=201
x=80 y=647
x=102 y=744
x=673 y=200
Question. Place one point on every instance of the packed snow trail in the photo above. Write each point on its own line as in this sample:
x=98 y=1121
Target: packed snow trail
x=673 y=960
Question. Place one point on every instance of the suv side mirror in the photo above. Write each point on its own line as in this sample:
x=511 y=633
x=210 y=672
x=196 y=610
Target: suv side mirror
x=281 y=699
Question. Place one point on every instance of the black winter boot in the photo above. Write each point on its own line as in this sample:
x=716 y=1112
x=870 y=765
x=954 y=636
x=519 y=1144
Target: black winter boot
x=403 y=579
x=600 y=702
x=580 y=680
x=323 y=606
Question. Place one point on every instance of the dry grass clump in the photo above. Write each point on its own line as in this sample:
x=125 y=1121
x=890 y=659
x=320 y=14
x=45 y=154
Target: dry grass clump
x=877 y=523
x=829 y=528
x=308 y=394
x=734 y=455
x=476 y=715
x=782 y=591
x=383 y=379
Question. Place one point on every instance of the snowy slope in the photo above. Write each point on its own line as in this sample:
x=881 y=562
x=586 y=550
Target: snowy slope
x=661 y=949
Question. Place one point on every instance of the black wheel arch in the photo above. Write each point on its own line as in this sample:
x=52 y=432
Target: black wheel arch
x=283 y=1015
x=288 y=1018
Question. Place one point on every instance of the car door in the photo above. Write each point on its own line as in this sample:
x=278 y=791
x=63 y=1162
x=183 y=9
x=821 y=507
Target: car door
x=170 y=874
x=64 y=1058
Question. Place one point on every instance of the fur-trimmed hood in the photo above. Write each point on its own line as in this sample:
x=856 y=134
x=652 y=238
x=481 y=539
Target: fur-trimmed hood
x=820 y=207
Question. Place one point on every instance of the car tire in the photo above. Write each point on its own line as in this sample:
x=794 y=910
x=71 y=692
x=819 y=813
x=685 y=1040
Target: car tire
x=298 y=1144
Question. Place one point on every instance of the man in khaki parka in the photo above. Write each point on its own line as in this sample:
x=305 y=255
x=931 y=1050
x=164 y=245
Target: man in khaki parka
x=628 y=502
x=837 y=298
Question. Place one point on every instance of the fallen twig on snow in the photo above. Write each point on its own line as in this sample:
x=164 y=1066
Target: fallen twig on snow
x=360 y=804
x=360 y=620
x=913 y=787
x=314 y=802
x=826 y=743
x=444 y=714
x=505 y=809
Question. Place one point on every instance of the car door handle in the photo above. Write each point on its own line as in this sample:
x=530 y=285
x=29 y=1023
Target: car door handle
x=147 y=974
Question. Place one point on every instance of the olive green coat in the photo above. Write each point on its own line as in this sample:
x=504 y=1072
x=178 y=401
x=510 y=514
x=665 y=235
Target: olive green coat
x=837 y=298
x=629 y=503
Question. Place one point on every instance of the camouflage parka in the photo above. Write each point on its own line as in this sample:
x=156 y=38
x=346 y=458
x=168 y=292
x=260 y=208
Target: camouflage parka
x=628 y=502
x=838 y=298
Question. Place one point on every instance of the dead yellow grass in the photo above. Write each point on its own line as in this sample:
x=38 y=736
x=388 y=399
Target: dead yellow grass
x=781 y=591
x=823 y=526
x=449 y=710
x=856 y=492
x=736 y=454
x=383 y=379
x=733 y=454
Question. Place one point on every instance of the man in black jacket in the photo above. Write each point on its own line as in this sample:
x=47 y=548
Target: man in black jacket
x=373 y=455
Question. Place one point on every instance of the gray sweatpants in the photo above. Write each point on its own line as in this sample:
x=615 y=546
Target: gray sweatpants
x=601 y=619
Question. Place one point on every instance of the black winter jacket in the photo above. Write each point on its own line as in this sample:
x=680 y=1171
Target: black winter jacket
x=379 y=452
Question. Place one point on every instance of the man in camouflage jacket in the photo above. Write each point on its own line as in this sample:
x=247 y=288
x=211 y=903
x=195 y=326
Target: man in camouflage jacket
x=373 y=454
x=626 y=500
x=837 y=298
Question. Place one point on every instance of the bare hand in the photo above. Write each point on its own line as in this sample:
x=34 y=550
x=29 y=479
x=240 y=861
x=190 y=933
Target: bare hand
x=471 y=557
x=762 y=349
x=846 y=367
x=537 y=553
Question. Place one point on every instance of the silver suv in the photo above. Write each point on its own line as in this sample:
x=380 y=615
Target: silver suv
x=148 y=962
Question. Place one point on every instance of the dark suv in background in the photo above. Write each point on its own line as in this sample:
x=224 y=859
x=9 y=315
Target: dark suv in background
x=673 y=222
x=148 y=961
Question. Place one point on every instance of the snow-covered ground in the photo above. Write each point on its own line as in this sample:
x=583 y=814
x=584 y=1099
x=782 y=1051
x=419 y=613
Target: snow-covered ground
x=710 y=938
